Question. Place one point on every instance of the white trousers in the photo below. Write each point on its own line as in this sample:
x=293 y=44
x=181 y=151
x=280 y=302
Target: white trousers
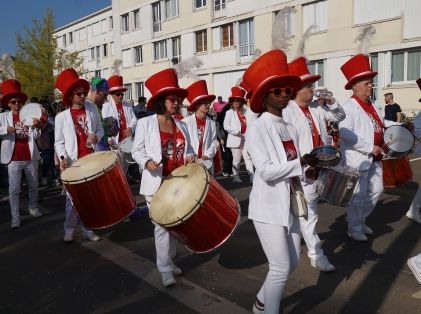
x=237 y=153
x=72 y=219
x=365 y=198
x=15 y=168
x=165 y=244
x=282 y=251
x=308 y=224
x=415 y=207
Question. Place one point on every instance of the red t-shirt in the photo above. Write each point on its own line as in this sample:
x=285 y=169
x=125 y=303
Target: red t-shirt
x=169 y=163
x=201 y=125
x=317 y=140
x=122 y=121
x=81 y=127
x=243 y=123
x=290 y=150
x=377 y=123
x=21 y=151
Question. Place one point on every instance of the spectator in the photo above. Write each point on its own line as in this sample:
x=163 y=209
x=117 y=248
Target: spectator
x=392 y=111
x=140 y=109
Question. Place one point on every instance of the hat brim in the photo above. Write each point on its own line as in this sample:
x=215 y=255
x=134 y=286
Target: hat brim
x=180 y=92
x=310 y=79
x=112 y=90
x=242 y=99
x=76 y=84
x=208 y=98
x=256 y=100
x=6 y=98
x=358 y=78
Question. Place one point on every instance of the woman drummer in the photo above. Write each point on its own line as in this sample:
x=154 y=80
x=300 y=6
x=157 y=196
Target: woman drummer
x=272 y=145
x=161 y=145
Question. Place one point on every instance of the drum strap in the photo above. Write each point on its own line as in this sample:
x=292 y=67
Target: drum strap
x=174 y=142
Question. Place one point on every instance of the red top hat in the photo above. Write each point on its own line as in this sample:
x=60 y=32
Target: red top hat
x=162 y=84
x=115 y=83
x=67 y=81
x=419 y=86
x=357 y=69
x=12 y=89
x=237 y=93
x=249 y=92
x=268 y=71
x=299 y=68
x=197 y=93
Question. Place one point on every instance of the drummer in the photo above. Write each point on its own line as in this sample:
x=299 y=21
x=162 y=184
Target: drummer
x=273 y=147
x=161 y=145
x=361 y=134
x=19 y=150
x=120 y=110
x=310 y=122
x=77 y=132
x=202 y=129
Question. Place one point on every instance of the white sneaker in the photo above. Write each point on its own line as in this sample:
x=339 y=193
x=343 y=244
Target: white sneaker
x=367 y=230
x=177 y=271
x=258 y=309
x=358 y=236
x=68 y=237
x=415 y=270
x=236 y=179
x=225 y=174
x=92 y=237
x=167 y=279
x=414 y=216
x=15 y=222
x=35 y=212
x=322 y=264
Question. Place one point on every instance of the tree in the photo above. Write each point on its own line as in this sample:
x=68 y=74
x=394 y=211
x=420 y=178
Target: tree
x=38 y=58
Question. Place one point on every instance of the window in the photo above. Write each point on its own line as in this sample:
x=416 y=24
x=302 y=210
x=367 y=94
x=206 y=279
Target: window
x=317 y=67
x=374 y=58
x=128 y=93
x=110 y=22
x=70 y=38
x=98 y=52
x=105 y=50
x=289 y=23
x=104 y=28
x=199 y=4
x=92 y=54
x=376 y=10
x=126 y=60
x=160 y=50
x=137 y=54
x=98 y=73
x=227 y=35
x=156 y=16
x=219 y=5
x=406 y=65
x=201 y=41
x=125 y=23
x=64 y=41
x=112 y=49
x=96 y=29
x=176 y=48
x=139 y=89
x=315 y=14
x=171 y=8
x=82 y=34
x=246 y=40
x=136 y=19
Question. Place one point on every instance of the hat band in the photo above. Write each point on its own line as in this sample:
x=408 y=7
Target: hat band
x=360 y=74
x=199 y=98
x=117 y=88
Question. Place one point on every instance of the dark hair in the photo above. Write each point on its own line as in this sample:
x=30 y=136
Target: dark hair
x=387 y=94
x=34 y=99
x=141 y=99
x=159 y=105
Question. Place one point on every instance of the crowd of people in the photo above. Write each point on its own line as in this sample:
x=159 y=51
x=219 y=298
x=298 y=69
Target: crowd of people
x=272 y=121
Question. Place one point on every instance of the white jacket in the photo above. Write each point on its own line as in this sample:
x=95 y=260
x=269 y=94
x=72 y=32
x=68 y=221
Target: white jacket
x=357 y=136
x=147 y=146
x=232 y=125
x=8 y=140
x=295 y=116
x=109 y=109
x=210 y=143
x=270 y=195
x=65 y=133
x=417 y=133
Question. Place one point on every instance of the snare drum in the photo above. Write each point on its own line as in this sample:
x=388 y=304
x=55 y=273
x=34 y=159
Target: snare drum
x=337 y=185
x=327 y=155
x=396 y=172
x=125 y=148
x=195 y=208
x=32 y=111
x=398 y=140
x=98 y=189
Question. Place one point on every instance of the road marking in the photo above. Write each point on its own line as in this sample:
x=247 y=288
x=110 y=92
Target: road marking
x=415 y=159
x=185 y=291
x=417 y=295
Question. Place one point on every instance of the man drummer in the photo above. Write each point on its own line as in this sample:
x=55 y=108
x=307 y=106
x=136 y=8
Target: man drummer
x=310 y=122
x=77 y=132
x=19 y=150
x=361 y=134
x=202 y=129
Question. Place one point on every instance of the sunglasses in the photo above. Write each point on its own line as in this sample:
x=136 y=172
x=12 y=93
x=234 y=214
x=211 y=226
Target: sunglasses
x=80 y=94
x=119 y=95
x=277 y=91
x=16 y=102
x=173 y=99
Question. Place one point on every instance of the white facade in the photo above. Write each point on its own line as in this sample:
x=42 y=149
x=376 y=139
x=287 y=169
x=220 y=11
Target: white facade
x=149 y=34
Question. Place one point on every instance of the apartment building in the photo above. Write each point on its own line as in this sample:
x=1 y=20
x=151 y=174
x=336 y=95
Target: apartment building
x=151 y=35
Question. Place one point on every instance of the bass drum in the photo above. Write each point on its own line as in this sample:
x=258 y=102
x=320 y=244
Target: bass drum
x=396 y=172
x=195 y=208
x=98 y=190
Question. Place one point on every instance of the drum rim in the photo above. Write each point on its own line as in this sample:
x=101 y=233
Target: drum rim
x=92 y=177
x=395 y=151
x=194 y=209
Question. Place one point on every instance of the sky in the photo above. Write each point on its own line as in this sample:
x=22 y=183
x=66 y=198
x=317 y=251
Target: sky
x=17 y=14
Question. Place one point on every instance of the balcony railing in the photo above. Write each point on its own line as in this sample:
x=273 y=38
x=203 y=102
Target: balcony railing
x=246 y=49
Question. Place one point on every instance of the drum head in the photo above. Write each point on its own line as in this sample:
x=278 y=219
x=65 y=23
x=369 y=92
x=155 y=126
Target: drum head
x=400 y=139
x=126 y=145
x=29 y=112
x=89 y=167
x=180 y=195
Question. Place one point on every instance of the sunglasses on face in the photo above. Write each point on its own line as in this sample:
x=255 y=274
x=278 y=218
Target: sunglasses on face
x=16 y=102
x=173 y=99
x=80 y=94
x=277 y=91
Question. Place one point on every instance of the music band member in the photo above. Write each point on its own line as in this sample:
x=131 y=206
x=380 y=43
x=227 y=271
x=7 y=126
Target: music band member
x=201 y=128
x=77 y=132
x=361 y=134
x=310 y=122
x=273 y=147
x=19 y=150
x=161 y=145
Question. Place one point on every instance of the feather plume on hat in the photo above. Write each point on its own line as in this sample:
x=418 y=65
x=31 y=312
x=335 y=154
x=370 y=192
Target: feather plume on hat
x=280 y=37
x=7 y=66
x=302 y=44
x=187 y=68
x=364 y=38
